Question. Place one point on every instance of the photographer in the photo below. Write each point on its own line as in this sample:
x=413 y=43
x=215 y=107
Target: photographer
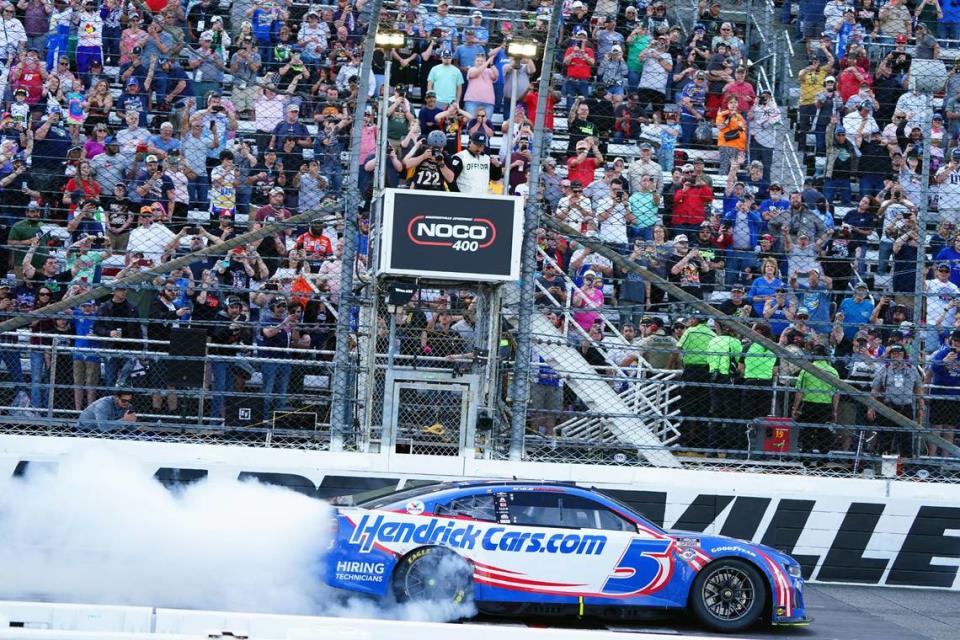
x=110 y=413
x=948 y=177
x=906 y=247
x=231 y=328
x=430 y=170
x=86 y=220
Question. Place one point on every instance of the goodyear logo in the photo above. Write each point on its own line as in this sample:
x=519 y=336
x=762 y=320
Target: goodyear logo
x=373 y=530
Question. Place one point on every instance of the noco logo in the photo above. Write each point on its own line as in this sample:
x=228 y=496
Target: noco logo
x=460 y=234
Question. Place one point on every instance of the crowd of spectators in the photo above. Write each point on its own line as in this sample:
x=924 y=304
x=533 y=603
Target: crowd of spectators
x=656 y=141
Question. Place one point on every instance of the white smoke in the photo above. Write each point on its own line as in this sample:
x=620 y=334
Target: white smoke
x=98 y=530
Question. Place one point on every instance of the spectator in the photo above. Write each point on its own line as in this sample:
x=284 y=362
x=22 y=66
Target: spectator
x=906 y=248
x=579 y=59
x=582 y=167
x=164 y=314
x=764 y=117
x=229 y=330
x=690 y=202
x=278 y=330
x=133 y=139
x=149 y=237
x=693 y=106
x=637 y=42
x=943 y=378
x=854 y=311
x=118 y=319
x=645 y=165
x=480 y=80
x=898 y=385
x=732 y=138
x=688 y=266
x=744 y=226
x=110 y=413
x=764 y=286
x=589 y=301
x=473 y=169
x=446 y=80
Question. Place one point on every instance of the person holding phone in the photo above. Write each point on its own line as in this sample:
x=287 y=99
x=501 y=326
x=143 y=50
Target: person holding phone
x=110 y=413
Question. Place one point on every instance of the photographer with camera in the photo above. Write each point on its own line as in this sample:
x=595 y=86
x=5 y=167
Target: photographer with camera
x=230 y=328
x=110 y=413
x=86 y=220
x=429 y=164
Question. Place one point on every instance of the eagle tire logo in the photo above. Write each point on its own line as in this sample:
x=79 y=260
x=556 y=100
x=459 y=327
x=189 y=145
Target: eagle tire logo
x=459 y=234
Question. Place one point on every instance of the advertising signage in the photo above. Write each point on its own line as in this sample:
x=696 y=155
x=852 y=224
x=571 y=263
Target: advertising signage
x=451 y=235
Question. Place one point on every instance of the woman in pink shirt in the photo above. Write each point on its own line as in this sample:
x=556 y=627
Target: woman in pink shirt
x=589 y=301
x=480 y=79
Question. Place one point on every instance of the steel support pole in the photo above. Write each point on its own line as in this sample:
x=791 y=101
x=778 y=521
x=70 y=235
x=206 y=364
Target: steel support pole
x=922 y=217
x=515 y=71
x=384 y=105
x=528 y=256
x=340 y=409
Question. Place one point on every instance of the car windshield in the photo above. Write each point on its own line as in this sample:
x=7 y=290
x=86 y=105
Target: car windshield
x=404 y=495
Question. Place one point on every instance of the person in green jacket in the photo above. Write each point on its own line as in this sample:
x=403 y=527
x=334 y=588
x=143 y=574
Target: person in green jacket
x=694 y=397
x=723 y=359
x=815 y=403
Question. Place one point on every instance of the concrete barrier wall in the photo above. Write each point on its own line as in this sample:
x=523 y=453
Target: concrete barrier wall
x=865 y=531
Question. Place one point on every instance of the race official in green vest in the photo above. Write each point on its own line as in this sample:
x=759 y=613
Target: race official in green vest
x=723 y=359
x=693 y=353
x=815 y=403
x=757 y=371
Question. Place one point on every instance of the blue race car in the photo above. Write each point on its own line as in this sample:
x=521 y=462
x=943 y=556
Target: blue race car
x=540 y=548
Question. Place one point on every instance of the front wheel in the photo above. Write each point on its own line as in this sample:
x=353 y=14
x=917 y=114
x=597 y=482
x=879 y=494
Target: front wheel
x=433 y=574
x=728 y=595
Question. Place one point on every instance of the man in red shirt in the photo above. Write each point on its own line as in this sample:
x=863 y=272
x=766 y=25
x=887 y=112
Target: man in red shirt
x=529 y=101
x=582 y=166
x=579 y=59
x=690 y=203
x=315 y=245
x=273 y=248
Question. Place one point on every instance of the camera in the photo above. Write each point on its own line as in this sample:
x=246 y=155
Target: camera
x=897 y=195
x=99 y=242
x=437 y=154
x=216 y=108
x=764 y=100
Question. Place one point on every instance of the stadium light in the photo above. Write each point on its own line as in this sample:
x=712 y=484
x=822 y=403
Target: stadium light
x=389 y=39
x=517 y=51
x=520 y=50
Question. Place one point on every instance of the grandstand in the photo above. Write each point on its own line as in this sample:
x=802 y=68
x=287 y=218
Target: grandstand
x=194 y=226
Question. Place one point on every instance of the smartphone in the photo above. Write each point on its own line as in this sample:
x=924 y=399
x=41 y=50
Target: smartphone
x=224 y=263
x=193 y=231
x=145 y=262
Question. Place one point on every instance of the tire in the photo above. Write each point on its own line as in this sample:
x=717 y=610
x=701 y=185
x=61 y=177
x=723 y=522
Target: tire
x=728 y=595
x=433 y=574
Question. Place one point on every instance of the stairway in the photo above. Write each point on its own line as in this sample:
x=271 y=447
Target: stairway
x=617 y=420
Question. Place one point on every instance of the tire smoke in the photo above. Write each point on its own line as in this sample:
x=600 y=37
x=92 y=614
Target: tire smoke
x=97 y=530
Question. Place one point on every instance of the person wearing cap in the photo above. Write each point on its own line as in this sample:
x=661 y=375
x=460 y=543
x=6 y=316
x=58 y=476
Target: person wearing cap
x=742 y=227
x=245 y=65
x=816 y=403
x=655 y=346
x=578 y=59
x=19 y=187
x=206 y=65
x=473 y=168
x=657 y=63
x=645 y=165
x=427 y=114
x=690 y=201
x=693 y=109
x=842 y=160
x=89 y=36
x=230 y=328
x=429 y=163
x=855 y=311
x=612 y=71
x=811 y=80
x=607 y=37
x=588 y=300
x=446 y=80
x=898 y=385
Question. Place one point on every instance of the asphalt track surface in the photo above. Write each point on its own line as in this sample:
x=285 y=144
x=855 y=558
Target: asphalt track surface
x=839 y=613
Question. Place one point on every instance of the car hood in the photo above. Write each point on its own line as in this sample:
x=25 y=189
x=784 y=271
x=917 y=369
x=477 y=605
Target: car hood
x=725 y=543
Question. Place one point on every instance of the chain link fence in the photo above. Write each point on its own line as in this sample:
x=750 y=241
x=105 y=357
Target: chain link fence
x=666 y=134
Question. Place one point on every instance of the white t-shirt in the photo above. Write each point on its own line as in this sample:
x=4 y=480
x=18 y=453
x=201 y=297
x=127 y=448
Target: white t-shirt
x=939 y=294
x=654 y=76
x=90 y=30
x=150 y=241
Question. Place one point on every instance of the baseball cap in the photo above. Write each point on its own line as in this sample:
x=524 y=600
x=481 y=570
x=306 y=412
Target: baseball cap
x=293 y=106
x=206 y=35
x=146 y=210
x=163 y=60
x=216 y=19
x=151 y=158
x=647 y=146
x=955 y=154
x=233 y=300
x=803 y=311
x=829 y=79
x=431 y=94
x=478 y=138
x=681 y=238
x=136 y=50
x=109 y=140
x=737 y=287
x=589 y=274
x=896 y=348
x=33 y=205
x=901 y=39
x=20 y=90
x=767 y=236
x=477 y=14
x=861 y=285
x=132 y=80
x=446 y=53
x=938 y=116
x=277 y=190
x=955 y=334
x=839 y=130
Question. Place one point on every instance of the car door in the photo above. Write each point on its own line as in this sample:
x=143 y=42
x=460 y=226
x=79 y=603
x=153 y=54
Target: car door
x=549 y=546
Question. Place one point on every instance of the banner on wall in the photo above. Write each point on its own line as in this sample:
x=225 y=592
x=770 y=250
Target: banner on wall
x=872 y=532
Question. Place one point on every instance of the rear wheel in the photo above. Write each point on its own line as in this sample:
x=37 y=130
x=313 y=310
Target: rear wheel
x=433 y=574
x=728 y=595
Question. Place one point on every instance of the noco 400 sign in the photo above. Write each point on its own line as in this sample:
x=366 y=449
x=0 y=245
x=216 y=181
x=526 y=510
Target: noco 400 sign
x=451 y=235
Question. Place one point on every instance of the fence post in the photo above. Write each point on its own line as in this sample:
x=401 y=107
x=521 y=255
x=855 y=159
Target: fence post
x=528 y=255
x=340 y=409
x=52 y=376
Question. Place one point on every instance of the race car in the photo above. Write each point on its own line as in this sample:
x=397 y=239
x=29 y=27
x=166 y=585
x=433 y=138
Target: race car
x=524 y=548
